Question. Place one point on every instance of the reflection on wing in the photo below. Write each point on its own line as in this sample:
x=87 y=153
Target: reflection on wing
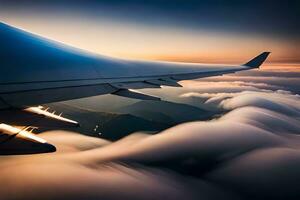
x=19 y=138
x=40 y=117
x=41 y=111
x=21 y=141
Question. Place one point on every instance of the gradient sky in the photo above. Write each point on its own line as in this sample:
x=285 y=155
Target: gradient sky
x=193 y=31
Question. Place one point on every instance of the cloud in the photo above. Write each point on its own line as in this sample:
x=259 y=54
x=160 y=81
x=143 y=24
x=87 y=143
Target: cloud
x=252 y=152
x=215 y=98
x=272 y=101
x=272 y=82
x=226 y=86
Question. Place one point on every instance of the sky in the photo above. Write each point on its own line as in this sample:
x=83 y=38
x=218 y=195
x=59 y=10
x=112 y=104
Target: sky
x=190 y=31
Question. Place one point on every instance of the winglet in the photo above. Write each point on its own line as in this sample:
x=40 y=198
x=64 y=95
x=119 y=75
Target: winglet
x=258 y=60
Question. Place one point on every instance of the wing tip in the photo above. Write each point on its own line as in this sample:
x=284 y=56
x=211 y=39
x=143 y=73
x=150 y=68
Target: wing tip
x=258 y=60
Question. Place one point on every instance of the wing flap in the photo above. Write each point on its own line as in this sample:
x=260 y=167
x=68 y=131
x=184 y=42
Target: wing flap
x=164 y=81
x=135 y=95
x=134 y=85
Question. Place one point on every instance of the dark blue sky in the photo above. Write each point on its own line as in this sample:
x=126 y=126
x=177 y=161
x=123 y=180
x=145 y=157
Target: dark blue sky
x=273 y=18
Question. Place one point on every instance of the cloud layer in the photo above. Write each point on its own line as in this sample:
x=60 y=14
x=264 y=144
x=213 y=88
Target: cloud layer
x=250 y=152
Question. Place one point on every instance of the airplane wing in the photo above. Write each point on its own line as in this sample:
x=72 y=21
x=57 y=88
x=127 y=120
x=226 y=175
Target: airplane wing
x=35 y=70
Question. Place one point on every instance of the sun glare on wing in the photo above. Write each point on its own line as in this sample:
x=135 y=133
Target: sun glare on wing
x=21 y=132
